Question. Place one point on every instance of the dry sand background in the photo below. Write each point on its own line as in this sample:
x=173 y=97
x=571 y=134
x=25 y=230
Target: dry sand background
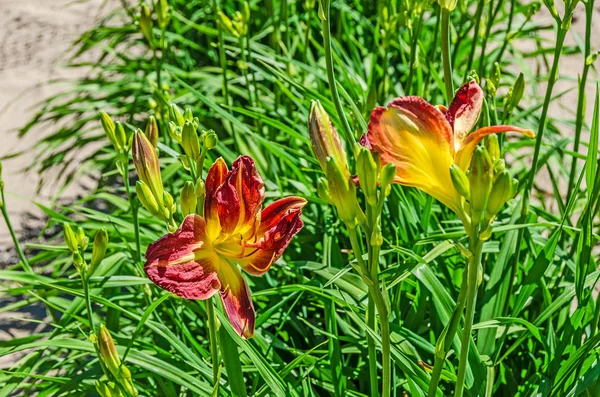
x=34 y=35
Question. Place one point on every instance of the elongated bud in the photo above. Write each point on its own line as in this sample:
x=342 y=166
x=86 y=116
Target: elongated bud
x=342 y=192
x=460 y=181
x=106 y=389
x=200 y=188
x=246 y=12
x=176 y=115
x=98 y=249
x=188 y=115
x=109 y=128
x=448 y=4
x=188 y=199
x=516 y=93
x=501 y=192
x=146 y=24
x=120 y=136
x=323 y=190
x=146 y=165
x=325 y=139
x=169 y=203
x=480 y=180
x=82 y=239
x=388 y=172
x=70 y=238
x=147 y=198
x=190 y=141
x=152 y=131
x=108 y=351
x=126 y=381
x=367 y=174
x=210 y=139
x=493 y=147
x=162 y=13
x=77 y=260
x=227 y=24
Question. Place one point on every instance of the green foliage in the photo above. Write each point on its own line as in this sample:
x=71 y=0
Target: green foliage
x=248 y=72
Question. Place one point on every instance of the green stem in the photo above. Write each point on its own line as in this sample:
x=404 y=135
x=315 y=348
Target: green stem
x=212 y=332
x=413 y=52
x=448 y=336
x=22 y=258
x=478 y=13
x=132 y=207
x=446 y=54
x=330 y=73
x=376 y=296
x=86 y=294
x=475 y=246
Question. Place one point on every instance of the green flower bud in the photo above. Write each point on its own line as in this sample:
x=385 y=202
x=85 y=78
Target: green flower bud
x=82 y=239
x=146 y=24
x=108 y=351
x=107 y=389
x=176 y=115
x=188 y=115
x=493 y=147
x=70 y=238
x=169 y=202
x=227 y=24
x=98 y=249
x=146 y=165
x=480 y=180
x=162 y=13
x=376 y=236
x=323 y=190
x=448 y=4
x=126 y=381
x=367 y=174
x=152 y=131
x=200 y=189
x=460 y=181
x=190 y=141
x=388 y=172
x=210 y=139
x=77 y=260
x=516 y=93
x=342 y=192
x=501 y=192
x=109 y=129
x=147 y=198
x=174 y=132
x=325 y=140
x=188 y=199
x=120 y=136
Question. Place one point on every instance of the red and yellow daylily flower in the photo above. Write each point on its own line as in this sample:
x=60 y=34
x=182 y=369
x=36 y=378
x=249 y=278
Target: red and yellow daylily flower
x=203 y=255
x=423 y=140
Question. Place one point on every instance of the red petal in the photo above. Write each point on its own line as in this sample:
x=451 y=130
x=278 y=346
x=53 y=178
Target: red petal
x=177 y=263
x=215 y=178
x=464 y=111
x=280 y=222
x=235 y=295
x=240 y=197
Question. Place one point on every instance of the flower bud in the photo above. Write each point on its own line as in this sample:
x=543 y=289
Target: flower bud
x=107 y=389
x=98 y=249
x=147 y=166
x=516 y=93
x=126 y=381
x=188 y=199
x=367 y=174
x=162 y=13
x=342 y=192
x=190 y=141
x=200 y=189
x=210 y=139
x=120 y=136
x=146 y=24
x=493 y=147
x=227 y=24
x=188 y=115
x=108 y=351
x=109 y=128
x=448 y=4
x=77 y=260
x=152 y=131
x=388 y=172
x=174 y=131
x=82 y=239
x=70 y=238
x=460 y=181
x=147 y=198
x=325 y=139
x=323 y=190
x=376 y=236
x=169 y=202
x=480 y=180
x=501 y=192
x=176 y=115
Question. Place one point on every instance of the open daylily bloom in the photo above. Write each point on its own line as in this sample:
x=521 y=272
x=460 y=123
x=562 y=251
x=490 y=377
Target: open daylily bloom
x=201 y=257
x=423 y=141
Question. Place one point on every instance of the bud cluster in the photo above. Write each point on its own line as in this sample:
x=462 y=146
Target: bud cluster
x=238 y=26
x=115 y=133
x=486 y=186
x=183 y=128
x=77 y=242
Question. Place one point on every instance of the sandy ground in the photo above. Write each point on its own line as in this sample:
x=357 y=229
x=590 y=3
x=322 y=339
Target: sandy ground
x=34 y=38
